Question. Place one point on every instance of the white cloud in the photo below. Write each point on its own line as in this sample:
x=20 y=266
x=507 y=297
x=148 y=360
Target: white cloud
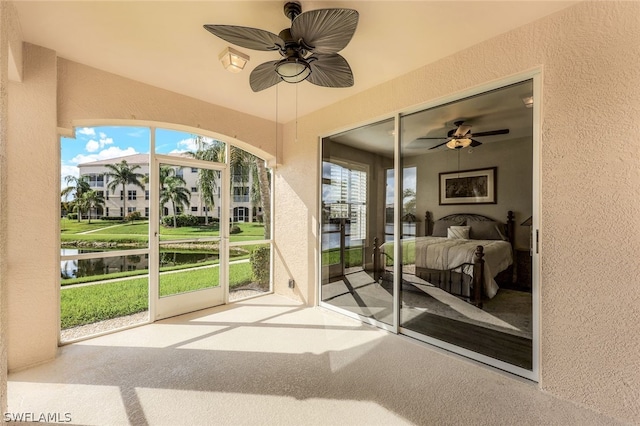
x=65 y=171
x=105 y=154
x=92 y=146
x=103 y=135
x=190 y=144
x=186 y=145
x=86 y=131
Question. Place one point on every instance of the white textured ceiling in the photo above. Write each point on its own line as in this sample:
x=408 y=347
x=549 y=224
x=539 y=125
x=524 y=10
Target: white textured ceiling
x=163 y=43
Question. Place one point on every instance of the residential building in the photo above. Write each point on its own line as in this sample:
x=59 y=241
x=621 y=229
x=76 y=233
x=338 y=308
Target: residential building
x=241 y=208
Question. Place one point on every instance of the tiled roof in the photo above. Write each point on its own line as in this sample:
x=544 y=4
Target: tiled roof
x=140 y=159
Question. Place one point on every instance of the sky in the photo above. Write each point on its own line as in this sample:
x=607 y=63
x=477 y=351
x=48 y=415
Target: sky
x=102 y=143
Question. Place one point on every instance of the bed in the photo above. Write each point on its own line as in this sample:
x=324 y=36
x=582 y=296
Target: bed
x=460 y=253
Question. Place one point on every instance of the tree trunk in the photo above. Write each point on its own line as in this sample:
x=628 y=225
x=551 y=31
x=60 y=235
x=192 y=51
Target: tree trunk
x=265 y=196
x=124 y=203
x=175 y=215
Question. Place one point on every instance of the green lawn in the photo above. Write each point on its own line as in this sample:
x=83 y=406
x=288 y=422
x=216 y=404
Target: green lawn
x=137 y=232
x=89 y=304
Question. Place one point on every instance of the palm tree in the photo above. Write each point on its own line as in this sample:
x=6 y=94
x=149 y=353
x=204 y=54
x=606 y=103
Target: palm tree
x=123 y=174
x=91 y=200
x=249 y=165
x=207 y=178
x=175 y=192
x=76 y=186
x=245 y=164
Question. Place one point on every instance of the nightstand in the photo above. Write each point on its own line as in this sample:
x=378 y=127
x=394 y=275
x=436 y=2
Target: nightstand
x=523 y=269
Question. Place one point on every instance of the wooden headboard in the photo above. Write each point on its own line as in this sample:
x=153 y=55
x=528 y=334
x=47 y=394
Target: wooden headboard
x=459 y=217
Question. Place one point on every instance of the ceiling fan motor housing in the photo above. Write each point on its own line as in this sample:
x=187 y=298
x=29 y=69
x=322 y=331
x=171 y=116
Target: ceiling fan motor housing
x=292 y=9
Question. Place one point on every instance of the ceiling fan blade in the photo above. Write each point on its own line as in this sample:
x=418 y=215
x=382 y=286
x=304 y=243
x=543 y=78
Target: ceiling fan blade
x=475 y=143
x=426 y=138
x=264 y=76
x=330 y=71
x=439 y=145
x=491 y=133
x=462 y=130
x=250 y=38
x=325 y=30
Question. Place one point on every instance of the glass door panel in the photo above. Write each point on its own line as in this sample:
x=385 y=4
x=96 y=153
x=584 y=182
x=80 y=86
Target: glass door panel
x=189 y=245
x=357 y=276
x=444 y=158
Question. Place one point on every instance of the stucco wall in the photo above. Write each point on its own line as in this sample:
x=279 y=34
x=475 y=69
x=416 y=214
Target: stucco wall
x=590 y=54
x=32 y=237
x=4 y=72
x=87 y=94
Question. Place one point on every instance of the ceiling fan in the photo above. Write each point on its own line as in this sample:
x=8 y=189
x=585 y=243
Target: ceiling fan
x=460 y=137
x=309 y=48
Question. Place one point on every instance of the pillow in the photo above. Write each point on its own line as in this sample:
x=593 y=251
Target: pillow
x=440 y=227
x=486 y=230
x=458 y=232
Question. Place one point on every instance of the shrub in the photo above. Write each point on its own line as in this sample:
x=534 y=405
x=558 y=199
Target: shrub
x=235 y=229
x=133 y=216
x=111 y=218
x=259 y=260
x=72 y=216
x=181 y=220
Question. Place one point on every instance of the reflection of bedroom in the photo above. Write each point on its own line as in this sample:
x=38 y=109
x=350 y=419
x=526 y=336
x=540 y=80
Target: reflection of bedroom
x=444 y=293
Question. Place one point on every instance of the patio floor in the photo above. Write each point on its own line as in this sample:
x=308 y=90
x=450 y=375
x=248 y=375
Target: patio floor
x=272 y=361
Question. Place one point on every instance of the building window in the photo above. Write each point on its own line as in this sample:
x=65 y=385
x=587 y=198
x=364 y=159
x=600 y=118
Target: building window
x=121 y=195
x=121 y=212
x=241 y=194
x=146 y=212
x=95 y=180
x=194 y=189
x=194 y=170
x=107 y=210
x=131 y=209
x=146 y=194
x=132 y=195
x=194 y=209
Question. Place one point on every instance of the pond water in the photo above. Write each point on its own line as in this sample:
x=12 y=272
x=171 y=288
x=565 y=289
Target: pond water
x=109 y=265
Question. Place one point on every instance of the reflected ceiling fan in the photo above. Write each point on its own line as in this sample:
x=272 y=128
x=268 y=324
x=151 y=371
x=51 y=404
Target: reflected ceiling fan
x=460 y=137
x=309 y=48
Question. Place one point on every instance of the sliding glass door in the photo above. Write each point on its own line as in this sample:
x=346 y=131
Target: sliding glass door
x=427 y=221
x=357 y=275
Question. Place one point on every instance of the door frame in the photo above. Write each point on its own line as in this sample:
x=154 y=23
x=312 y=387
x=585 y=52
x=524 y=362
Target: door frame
x=536 y=75
x=168 y=306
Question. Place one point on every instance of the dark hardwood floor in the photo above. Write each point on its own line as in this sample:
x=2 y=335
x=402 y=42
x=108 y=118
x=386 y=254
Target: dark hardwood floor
x=505 y=347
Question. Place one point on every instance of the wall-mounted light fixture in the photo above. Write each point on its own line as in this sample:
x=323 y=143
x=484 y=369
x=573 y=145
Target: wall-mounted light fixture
x=233 y=60
x=528 y=101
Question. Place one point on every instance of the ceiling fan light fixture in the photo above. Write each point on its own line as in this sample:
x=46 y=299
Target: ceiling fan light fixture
x=459 y=143
x=233 y=60
x=528 y=101
x=293 y=69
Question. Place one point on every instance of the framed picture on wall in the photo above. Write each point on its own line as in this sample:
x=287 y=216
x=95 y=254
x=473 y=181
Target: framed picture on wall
x=468 y=187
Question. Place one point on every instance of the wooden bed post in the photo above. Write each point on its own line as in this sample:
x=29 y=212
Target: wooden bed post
x=428 y=223
x=376 y=260
x=511 y=230
x=478 y=276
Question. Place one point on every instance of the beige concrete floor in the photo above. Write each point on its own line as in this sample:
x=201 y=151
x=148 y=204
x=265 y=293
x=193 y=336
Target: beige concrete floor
x=272 y=361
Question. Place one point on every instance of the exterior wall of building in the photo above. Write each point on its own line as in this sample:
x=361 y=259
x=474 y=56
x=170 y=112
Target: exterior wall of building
x=590 y=57
x=113 y=201
x=33 y=233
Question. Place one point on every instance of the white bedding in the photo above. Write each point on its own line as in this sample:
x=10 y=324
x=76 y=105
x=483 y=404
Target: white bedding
x=447 y=253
